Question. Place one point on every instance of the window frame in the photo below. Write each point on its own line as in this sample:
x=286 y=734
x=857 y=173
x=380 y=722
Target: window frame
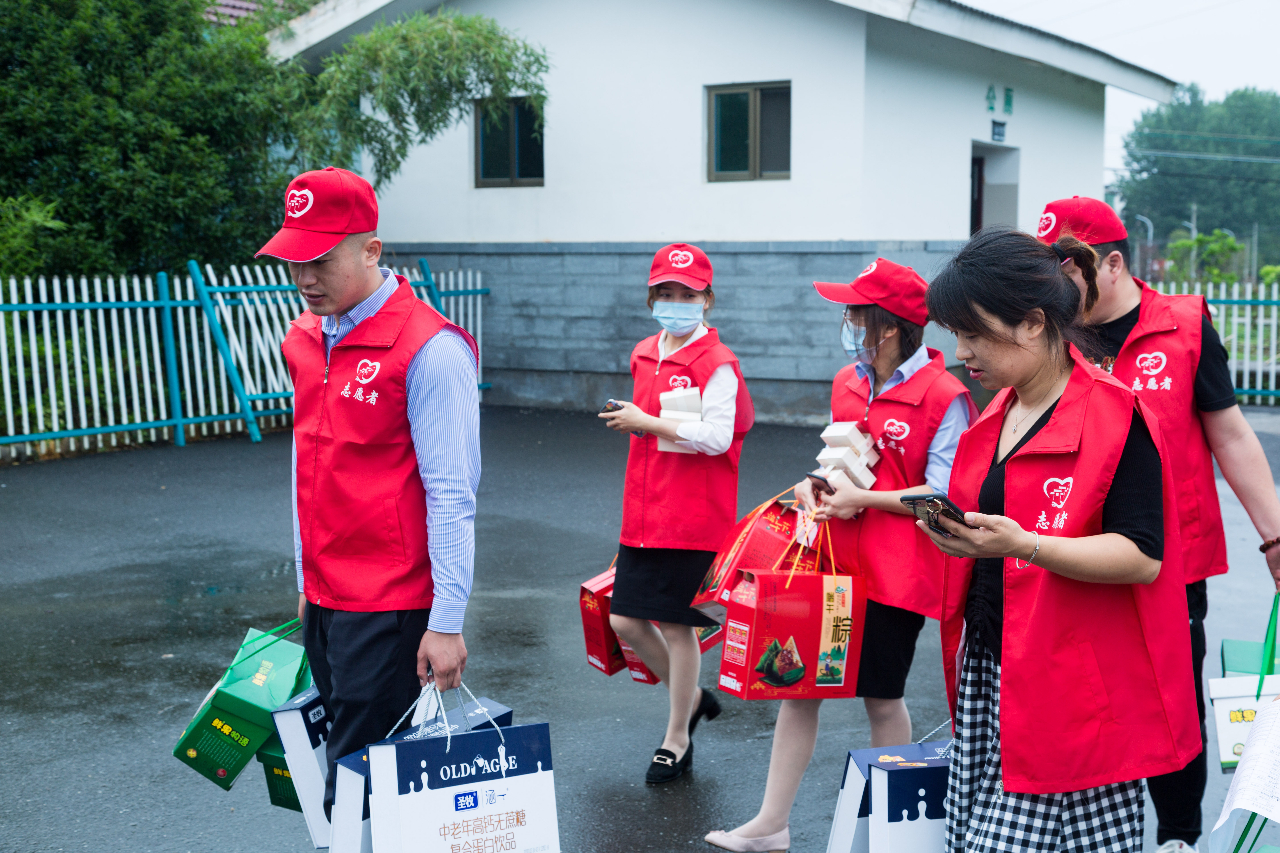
x=512 y=146
x=753 y=172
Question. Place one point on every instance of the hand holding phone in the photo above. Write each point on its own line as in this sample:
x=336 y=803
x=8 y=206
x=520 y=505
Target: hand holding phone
x=928 y=508
x=821 y=484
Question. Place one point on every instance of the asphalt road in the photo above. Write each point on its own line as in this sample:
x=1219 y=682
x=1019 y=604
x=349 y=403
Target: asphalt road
x=128 y=579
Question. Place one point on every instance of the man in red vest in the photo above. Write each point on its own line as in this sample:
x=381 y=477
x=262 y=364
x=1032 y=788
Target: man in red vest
x=1166 y=349
x=386 y=464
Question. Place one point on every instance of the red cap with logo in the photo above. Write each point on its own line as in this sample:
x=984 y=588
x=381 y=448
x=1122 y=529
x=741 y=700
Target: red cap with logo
x=681 y=263
x=1087 y=219
x=320 y=209
x=895 y=288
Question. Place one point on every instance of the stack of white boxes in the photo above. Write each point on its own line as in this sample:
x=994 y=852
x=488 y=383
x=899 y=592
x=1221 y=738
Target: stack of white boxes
x=682 y=404
x=851 y=451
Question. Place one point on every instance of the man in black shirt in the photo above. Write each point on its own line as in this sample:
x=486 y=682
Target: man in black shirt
x=1167 y=348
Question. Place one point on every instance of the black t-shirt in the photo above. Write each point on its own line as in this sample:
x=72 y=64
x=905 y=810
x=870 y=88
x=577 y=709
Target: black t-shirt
x=1132 y=508
x=1213 y=386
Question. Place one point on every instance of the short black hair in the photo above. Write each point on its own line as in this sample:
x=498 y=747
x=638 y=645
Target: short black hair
x=1121 y=246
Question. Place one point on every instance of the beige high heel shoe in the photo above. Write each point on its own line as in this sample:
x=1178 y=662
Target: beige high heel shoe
x=779 y=842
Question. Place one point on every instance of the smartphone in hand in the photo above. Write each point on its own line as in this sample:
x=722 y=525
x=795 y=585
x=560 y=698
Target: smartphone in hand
x=821 y=484
x=929 y=507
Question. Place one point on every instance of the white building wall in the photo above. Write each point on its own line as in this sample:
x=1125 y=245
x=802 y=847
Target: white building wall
x=883 y=119
x=926 y=106
x=625 y=141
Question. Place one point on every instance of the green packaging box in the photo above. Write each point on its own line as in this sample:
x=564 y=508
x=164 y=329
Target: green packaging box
x=279 y=782
x=1243 y=657
x=234 y=720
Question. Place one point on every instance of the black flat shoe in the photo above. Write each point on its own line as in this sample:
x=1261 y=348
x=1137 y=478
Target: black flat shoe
x=665 y=768
x=708 y=706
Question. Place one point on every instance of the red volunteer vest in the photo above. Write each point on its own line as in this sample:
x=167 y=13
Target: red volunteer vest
x=1158 y=362
x=902 y=566
x=681 y=500
x=362 y=509
x=1094 y=684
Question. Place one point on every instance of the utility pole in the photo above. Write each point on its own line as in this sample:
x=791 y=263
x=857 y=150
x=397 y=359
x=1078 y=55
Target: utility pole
x=1151 y=237
x=1253 y=268
x=1194 y=234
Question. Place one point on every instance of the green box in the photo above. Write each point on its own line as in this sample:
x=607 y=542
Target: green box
x=1244 y=657
x=279 y=781
x=234 y=720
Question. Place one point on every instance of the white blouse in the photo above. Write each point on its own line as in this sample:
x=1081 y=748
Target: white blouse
x=714 y=433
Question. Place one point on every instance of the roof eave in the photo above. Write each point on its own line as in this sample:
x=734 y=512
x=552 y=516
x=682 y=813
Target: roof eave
x=956 y=20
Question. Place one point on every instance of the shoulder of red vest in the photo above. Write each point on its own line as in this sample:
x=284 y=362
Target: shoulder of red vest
x=845 y=375
x=1186 y=308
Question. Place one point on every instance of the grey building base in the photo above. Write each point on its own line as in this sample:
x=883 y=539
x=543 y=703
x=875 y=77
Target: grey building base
x=562 y=318
x=795 y=403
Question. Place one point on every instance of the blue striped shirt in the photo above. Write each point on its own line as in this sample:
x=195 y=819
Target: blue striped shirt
x=444 y=422
x=942 y=450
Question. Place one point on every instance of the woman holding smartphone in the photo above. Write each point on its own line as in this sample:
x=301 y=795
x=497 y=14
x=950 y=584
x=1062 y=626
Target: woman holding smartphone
x=681 y=494
x=1064 y=610
x=900 y=393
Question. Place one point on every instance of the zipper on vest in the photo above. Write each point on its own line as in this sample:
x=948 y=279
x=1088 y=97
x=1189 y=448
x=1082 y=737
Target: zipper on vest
x=326 y=374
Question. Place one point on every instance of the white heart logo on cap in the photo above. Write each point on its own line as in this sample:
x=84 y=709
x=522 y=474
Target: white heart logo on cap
x=681 y=382
x=1151 y=363
x=366 y=370
x=869 y=270
x=680 y=258
x=1047 y=223
x=298 y=202
x=1057 y=491
x=896 y=430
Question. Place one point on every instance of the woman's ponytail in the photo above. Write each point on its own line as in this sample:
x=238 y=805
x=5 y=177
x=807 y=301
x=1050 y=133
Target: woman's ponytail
x=1068 y=248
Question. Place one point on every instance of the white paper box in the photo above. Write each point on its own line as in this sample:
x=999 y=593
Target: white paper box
x=675 y=415
x=427 y=800
x=351 y=830
x=303 y=725
x=862 y=477
x=845 y=434
x=1234 y=708
x=891 y=800
x=681 y=400
x=839 y=457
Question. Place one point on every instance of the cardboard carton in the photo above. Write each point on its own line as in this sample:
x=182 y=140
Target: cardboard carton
x=681 y=400
x=234 y=720
x=793 y=635
x=279 y=780
x=676 y=415
x=1235 y=704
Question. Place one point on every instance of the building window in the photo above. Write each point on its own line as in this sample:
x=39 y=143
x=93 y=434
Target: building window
x=749 y=133
x=509 y=152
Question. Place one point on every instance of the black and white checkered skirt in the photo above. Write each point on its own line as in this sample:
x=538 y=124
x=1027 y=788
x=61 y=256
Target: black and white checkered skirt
x=982 y=816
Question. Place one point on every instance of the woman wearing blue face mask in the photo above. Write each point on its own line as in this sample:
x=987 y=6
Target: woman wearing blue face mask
x=898 y=392
x=681 y=494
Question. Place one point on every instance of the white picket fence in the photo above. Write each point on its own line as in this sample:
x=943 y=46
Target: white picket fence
x=66 y=370
x=1247 y=317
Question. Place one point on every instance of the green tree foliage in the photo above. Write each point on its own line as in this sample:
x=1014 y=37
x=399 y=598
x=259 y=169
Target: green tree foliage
x=163 y=136
x=1214 y=258
x=1229 y=193
x=25 y=224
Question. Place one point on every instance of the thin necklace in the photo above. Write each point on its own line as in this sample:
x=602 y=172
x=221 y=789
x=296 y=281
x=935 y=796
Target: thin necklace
x=1045 y=396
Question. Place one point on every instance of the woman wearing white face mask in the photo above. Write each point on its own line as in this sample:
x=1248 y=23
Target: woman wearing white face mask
x=899 y=392
x=681 y=497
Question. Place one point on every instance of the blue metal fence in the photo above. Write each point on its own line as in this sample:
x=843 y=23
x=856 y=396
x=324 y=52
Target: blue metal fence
x=83 y=366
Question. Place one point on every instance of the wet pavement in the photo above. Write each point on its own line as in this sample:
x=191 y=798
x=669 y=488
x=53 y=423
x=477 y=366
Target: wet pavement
x=128 y=579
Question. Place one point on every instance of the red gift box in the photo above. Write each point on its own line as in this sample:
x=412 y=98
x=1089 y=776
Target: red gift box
x=759 y=541
x=605 y=649
x=793 y=634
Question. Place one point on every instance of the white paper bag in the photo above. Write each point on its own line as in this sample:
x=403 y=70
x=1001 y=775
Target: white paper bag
x=351 y=830
x=488 y=789
x=891 y=800
x=303 y=725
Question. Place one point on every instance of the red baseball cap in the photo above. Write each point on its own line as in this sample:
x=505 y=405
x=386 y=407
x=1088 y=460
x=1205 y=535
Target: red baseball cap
x=683 y=264
x=895 y=288
x=1087 y=219
x=320 y=209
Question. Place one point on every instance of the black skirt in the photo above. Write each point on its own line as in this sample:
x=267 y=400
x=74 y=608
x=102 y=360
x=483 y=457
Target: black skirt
x=888 y=647
x=659 y=583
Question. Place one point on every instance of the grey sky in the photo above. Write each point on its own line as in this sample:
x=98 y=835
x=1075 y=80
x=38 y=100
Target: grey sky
x=1220 y=44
